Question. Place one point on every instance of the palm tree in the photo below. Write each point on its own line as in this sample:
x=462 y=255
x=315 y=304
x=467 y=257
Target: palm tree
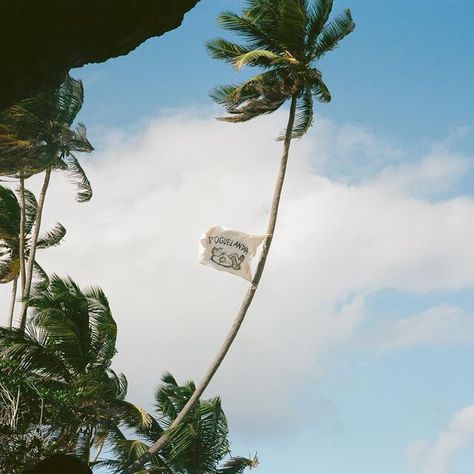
x=10 y=244
x=36 y=135
x=198 y=446
x=64 y=356
x=285 y=39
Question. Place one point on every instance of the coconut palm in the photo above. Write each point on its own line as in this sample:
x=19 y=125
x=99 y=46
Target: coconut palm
x=36 y=135
x=10 y=245
x=64 y=356
x=284 y=39
x=198 y=446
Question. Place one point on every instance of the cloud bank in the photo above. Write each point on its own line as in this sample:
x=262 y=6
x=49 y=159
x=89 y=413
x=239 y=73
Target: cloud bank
x=434 y=458
x=157 y=189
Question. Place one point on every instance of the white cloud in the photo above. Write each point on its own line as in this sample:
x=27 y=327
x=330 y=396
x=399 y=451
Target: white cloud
x=442 y=324
x=157 y=190
x=433 y=175
x=425 y=458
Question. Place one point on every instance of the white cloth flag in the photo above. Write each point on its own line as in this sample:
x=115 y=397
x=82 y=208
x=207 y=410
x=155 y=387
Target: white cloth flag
x=229 y=250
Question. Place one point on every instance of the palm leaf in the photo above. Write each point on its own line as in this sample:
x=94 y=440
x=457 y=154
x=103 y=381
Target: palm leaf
x=40 y=274
x=31 y=208
x=290 y=28
x=9 y=214
x=9 y=264
x=318 y=15
x=52 y=237
x=31 y=351
x=304 y=115
x=237 y=465
x=79 y=178
x=333 y=33
x=249 y=29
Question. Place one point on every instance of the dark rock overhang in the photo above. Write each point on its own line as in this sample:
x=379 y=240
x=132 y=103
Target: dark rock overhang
x=41 y=40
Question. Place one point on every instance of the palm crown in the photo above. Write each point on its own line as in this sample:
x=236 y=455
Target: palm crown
x=285 y=38
x=65 y=354
x=37 y=133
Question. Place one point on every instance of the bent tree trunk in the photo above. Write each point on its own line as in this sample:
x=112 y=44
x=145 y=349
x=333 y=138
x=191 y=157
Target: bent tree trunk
x=243 y=308
x=34 y=241
x=11 y=310
x=22 y=234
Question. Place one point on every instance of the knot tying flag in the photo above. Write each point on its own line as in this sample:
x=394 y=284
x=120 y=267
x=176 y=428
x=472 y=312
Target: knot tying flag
x=229 y=250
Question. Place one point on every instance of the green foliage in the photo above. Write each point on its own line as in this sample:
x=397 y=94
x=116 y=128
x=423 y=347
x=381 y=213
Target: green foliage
x=58 y=373
x=36 y=134
x=10 y=234
x=199 y=445
x=284 y=38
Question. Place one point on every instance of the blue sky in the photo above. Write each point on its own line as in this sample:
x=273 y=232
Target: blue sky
x=365 y=365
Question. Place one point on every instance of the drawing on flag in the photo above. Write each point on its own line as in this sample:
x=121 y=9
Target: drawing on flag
x=229 y=250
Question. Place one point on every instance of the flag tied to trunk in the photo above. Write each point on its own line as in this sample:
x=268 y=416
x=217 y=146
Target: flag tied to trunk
x=229 y=250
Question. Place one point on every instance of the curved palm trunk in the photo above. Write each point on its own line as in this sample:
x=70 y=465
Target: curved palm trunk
x=243 y=307
x=34 y=241
x=22 y=233
x=11 y=310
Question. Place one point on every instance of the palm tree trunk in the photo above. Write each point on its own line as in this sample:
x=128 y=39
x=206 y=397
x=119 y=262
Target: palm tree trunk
x=243 y=307
x=34 y=241
x=22 y=234
x=11 y=311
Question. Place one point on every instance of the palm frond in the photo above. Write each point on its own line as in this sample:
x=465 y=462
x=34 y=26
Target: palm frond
x=246 y=27
x=333 y=33
x=9 y=264
x=219 y=48
x=40 y=274
x=237 y=465
x=291 y=28
x=102 y=329
x=61 y=310
x=9 y=214
x=318 y=15
x=240 y=56
x=79 y=178
x=68 y=99
x=304 y=114
x=31 y=352
x=78 y=141
x=320 y=91
x=31 y=208
x=263 y=94
x=52 y=237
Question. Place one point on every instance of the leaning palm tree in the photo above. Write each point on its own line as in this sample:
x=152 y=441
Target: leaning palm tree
x=198 y=446
x=69 y=392
x=10 y=244
x=285 y=39
x=36 y=135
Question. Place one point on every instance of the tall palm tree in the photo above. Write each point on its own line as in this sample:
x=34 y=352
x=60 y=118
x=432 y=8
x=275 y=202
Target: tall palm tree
x=65 y=354
x=10 y=243
x=285 y=39
x=36 y=135
x=199 y=446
